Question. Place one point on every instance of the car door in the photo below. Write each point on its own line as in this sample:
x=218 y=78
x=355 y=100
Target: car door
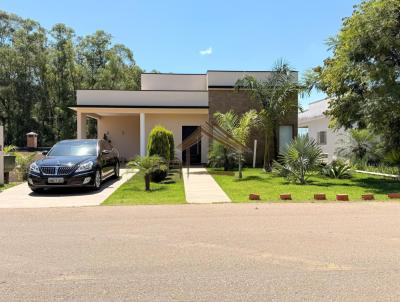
x=106 y=158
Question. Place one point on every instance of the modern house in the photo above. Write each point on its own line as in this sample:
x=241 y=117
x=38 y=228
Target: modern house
x=179 y=102
x=317 y=124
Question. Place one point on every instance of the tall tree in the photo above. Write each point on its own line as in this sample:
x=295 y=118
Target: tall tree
x=277 y=96
x=363 y=73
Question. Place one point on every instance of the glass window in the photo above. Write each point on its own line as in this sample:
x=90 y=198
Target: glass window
x=74 y=148
x=321 y=137
x=285 y=137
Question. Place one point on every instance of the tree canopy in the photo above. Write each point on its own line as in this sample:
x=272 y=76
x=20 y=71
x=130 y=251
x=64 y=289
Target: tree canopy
x=363 y=73
x=40 y=70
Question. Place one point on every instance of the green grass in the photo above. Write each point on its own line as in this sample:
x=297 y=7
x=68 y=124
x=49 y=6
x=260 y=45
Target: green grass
x=269 y=186
x=170 y=191
x=9 y=185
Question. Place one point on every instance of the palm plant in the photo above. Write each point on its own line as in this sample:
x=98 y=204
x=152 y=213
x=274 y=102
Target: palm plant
x=276 y=95
x=358 y=145
x=337 y=169
x=147 y=165
x=301 y=157
x=238 y=127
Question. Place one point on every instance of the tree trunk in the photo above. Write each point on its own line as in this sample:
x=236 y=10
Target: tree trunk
x=240 y=166
x=267 y=154
x=147 y=181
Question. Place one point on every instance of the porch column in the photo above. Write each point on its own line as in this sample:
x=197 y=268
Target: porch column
x=81 y=125
x=142 y=135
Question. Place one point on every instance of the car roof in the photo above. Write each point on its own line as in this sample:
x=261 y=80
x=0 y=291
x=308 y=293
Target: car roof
x=79 y=141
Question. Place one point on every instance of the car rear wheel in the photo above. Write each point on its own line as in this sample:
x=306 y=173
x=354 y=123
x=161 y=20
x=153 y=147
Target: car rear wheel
x=97 y=180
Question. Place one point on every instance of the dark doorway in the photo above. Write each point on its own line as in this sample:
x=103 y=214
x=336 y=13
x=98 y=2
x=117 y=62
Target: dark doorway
x=195 y=150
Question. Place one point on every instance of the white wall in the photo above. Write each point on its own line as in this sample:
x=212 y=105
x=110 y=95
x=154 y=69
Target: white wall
x=123 y=131
x=229 y=78
x=174 y=123
x=141 y=98
x=164 y=81
x=332 y=137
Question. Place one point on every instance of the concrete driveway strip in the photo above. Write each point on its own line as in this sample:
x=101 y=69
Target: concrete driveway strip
x=287 y=252
x=200 y=187
x=21 y=196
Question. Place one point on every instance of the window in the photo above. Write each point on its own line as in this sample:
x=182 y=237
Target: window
x=285 y=137
x=321 y=137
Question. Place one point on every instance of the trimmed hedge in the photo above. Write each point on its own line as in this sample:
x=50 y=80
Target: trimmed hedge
x=171 y=145
x=158 y=143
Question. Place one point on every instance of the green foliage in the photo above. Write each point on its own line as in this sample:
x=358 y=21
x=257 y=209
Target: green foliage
x=359 y=145
x=158 y=143
x=171 y=145
x=10 y=149
x=40 y=70
x=336 y=169
x=147 y=165
x=278 y=97
x=220 y=156
x=159 y=174
x=239 y=128
x=23 y=161
x=302 y=157
x=363 y=74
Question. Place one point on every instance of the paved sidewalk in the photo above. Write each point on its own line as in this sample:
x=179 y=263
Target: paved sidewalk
x=22 y=197
x=200 y=187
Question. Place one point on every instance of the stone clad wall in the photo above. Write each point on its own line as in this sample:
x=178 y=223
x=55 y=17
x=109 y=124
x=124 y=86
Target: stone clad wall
x=223 y=100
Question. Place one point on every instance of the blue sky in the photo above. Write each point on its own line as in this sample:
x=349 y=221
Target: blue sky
x=169 y=35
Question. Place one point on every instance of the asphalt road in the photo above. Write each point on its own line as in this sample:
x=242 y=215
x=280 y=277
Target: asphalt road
x=224 y=252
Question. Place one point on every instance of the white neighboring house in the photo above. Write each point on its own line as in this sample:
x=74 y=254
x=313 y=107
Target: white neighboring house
x=318 y=128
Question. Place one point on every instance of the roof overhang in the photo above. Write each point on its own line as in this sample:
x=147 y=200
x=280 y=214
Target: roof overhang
x=110 y=110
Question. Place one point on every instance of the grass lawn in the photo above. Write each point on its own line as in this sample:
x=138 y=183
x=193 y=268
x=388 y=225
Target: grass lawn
x=9 y=185
x=170 y=191
x=269 y=186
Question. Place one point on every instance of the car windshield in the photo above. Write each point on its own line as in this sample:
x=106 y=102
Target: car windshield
x=77 y=148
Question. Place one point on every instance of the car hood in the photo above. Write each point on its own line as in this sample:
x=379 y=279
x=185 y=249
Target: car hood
x=63 y=160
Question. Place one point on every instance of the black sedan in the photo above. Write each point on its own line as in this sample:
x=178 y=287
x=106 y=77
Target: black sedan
x=75 y=163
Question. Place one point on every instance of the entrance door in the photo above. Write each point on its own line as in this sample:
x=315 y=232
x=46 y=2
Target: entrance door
x=195 y=150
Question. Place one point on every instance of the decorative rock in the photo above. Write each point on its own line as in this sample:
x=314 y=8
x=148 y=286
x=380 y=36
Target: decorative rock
x=254 y=196
x=342 y=197
x=286 y=196
x=394 y=195
x=320 y=196
x=367 y=197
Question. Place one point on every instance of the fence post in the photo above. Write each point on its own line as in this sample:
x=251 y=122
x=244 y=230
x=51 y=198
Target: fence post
x=254 y=153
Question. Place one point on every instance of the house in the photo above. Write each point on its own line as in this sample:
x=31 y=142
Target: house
x=317 y=124
x=179 y=102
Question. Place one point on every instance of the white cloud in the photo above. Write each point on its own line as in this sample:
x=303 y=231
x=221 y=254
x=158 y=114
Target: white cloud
x=206 y=52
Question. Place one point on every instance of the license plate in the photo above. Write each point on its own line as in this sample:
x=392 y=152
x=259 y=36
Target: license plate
x=55 y=180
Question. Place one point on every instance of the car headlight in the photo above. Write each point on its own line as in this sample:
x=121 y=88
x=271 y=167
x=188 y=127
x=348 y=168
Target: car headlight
x=86 y=166
x=34 y=168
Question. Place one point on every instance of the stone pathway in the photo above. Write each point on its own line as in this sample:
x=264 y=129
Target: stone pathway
x=200 y=187
x=21 y=196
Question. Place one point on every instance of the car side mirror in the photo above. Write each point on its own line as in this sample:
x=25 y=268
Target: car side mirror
x=106 y=152
x=45 y=152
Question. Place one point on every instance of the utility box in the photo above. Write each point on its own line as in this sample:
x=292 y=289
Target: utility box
x=31 y=140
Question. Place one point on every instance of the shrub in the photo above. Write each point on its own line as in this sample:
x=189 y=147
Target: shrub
x=336 y=169
x=301 y=157
x=23 y=161
x=220 y=156
x=171 y=145
x=147 y=165
x=159 y=174
x=158 y=143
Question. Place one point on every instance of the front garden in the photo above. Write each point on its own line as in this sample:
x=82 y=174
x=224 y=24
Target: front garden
x=270 y=185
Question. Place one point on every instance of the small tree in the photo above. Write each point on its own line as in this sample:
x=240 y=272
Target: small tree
x=238 y=127
x=159 y=143
x=171 y=145
x=302 y=157
x=147 y=165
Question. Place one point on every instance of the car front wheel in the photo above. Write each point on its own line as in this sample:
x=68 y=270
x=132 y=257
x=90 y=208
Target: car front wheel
x=97 y=180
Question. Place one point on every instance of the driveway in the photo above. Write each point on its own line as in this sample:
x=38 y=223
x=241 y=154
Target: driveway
x=22 y=197
x=219 y=252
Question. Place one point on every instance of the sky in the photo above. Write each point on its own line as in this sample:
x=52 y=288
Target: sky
x=190 y=36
